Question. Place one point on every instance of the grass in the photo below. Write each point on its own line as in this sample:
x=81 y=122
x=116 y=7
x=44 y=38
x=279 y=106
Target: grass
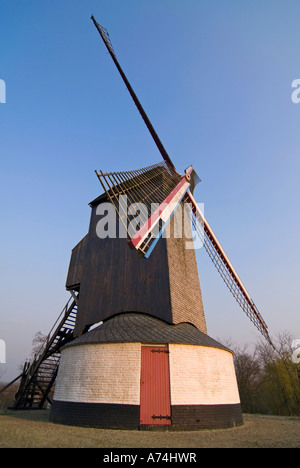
x=32 y=429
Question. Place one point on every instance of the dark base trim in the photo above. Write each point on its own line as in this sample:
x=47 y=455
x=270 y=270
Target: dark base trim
x=114 y=416
x=192 y=417
x=102 y=415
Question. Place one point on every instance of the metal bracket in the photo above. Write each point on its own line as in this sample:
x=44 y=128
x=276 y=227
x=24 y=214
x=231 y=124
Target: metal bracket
x=161 y=417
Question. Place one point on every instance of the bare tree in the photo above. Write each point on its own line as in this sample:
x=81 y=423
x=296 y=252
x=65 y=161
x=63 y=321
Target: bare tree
x=249 y=376
x=37 y=343
x=267 y=377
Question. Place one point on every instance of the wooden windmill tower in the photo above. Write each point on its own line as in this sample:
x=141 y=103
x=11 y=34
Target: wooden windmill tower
x=149 y=362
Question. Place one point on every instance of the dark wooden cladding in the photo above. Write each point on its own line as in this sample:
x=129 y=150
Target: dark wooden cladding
x=112 y=279
x=77 y=264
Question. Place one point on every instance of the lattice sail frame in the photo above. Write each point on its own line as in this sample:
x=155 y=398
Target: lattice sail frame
x=154 y=192
x=156 y=185
x=224 y=266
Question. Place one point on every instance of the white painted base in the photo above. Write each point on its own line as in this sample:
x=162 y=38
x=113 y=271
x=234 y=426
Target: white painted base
x=110 y=373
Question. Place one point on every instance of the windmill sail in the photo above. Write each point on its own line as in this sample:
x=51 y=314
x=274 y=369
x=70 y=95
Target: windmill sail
x=156 y=185
x=224 y=266
x=105 y=37
x=179 y=189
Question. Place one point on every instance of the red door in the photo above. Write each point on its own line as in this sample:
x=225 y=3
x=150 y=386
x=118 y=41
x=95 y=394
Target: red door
x=155 y=407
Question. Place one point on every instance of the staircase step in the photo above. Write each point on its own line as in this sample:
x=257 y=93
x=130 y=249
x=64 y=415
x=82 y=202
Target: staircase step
x=41 y=375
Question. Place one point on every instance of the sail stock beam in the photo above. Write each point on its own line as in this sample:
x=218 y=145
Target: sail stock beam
x=224 y=266
x=144 y=240
x=106 y=39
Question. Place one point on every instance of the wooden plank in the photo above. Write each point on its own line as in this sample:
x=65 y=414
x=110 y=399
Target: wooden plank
x=155 y=406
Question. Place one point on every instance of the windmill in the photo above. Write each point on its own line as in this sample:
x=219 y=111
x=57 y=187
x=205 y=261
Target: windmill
x=131 y=349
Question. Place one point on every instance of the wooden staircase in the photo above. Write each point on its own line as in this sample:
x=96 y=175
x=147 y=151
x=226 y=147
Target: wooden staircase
x=38 y=377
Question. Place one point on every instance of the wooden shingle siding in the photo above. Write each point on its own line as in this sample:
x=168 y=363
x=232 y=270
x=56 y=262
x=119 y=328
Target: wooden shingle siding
x=202 y=376
x=100 y=373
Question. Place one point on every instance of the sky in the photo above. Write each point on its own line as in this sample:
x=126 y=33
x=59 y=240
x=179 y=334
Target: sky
x=215 y=79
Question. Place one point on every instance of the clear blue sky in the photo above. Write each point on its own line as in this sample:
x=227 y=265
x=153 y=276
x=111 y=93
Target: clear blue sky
x=215 y=79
